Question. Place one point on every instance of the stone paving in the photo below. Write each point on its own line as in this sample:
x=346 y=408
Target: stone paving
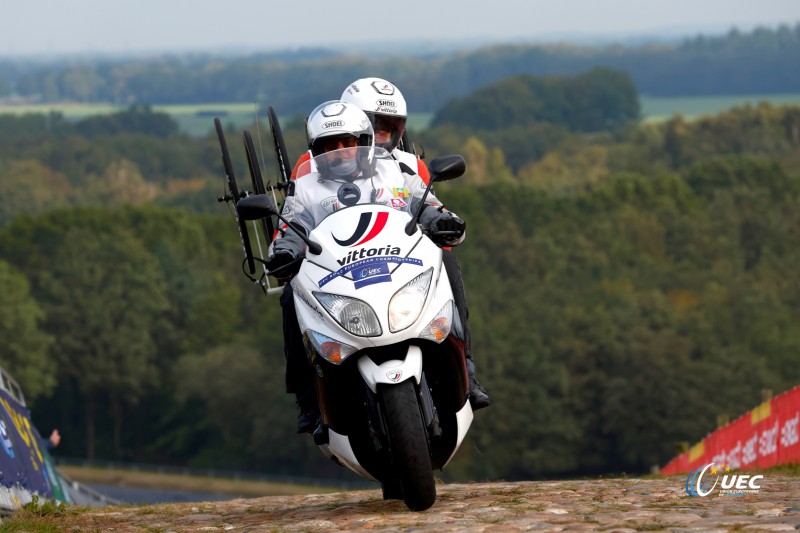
x=612 y=505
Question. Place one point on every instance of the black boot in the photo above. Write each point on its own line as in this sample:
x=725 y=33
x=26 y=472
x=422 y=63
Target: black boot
x=478 y=398
x=308 y=419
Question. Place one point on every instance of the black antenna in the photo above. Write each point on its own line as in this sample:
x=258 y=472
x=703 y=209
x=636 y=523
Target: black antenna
x=258 y=135
x=281 y=154
x=235 y=195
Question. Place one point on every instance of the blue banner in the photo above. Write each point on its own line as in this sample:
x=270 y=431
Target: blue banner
x=24 y=460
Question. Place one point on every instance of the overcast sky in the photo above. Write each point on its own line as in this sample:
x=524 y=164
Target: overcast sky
x=113 y=26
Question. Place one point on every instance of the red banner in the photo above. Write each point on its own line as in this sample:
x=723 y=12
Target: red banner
x=768 y=435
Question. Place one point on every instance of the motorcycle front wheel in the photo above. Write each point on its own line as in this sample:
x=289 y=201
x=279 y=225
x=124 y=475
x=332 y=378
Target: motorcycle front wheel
x=409 y=443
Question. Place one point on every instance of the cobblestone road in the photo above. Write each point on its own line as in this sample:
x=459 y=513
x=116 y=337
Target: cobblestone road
x=619 y=505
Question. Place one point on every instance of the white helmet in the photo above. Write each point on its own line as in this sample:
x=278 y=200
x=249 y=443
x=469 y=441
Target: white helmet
x=334 y=119
x=382 y=102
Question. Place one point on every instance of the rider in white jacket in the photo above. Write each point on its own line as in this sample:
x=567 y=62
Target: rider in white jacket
x=335 y=127
x=322 y=186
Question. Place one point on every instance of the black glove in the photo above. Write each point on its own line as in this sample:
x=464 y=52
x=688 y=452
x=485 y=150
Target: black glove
x=444 y=227
x=279 y=259
x=448 y=221
x=284 y=252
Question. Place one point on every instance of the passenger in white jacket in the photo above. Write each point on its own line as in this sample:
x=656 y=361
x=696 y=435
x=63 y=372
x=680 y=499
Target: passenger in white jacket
x=386 y=108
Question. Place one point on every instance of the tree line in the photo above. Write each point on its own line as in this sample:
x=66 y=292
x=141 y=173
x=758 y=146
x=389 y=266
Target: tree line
x=757 y=62
x=627 y=285
x=137 y=155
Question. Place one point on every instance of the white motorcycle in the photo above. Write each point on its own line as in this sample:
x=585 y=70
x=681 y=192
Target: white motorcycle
x=383 y=335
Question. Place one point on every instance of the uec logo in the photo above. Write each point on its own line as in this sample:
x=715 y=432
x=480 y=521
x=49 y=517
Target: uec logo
x=700 y=484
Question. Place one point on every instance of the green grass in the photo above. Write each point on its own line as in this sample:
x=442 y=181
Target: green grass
x=37 y=517
x=151 y=480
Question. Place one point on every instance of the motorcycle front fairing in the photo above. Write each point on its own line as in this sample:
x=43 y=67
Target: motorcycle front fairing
x=368 y=257
x=371 y=270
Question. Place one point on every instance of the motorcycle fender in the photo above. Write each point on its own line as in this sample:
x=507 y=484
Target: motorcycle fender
x=393 y=371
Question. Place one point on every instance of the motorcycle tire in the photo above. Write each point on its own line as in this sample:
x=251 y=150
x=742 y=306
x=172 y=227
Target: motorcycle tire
x=392 y=489
x=409 y=443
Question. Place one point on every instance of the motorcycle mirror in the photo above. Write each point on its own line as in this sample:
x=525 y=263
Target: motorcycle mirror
x=256 y=206
x=447 y=167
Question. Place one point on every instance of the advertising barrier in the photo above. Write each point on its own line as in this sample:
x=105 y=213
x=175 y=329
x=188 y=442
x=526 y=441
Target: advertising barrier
x=25 y=466
x=765 y=436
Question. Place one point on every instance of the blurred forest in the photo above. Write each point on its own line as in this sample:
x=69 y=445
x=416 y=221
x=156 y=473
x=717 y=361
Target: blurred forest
x=629 y=282
x=762 y=61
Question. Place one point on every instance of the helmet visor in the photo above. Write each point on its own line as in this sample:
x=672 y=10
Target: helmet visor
x=328 y=144
x=388 y=130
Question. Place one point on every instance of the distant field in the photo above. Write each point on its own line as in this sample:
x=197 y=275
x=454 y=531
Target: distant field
x=193 y=119
x=197 y=119
x=74 y=111
x=693 y=107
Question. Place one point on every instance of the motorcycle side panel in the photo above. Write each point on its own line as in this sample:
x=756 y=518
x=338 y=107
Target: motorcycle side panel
x=339 y=445
x=463 y=420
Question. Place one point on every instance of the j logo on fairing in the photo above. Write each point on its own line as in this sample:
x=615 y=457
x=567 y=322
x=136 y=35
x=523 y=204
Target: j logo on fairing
x=394 y=375
x=363 y=229
x=367 y=266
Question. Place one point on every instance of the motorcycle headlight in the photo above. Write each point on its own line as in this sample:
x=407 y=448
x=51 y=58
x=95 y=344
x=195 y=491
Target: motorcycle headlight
x=406 y=304
x=439 y=328
x=331 y=350
x=352 y=314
